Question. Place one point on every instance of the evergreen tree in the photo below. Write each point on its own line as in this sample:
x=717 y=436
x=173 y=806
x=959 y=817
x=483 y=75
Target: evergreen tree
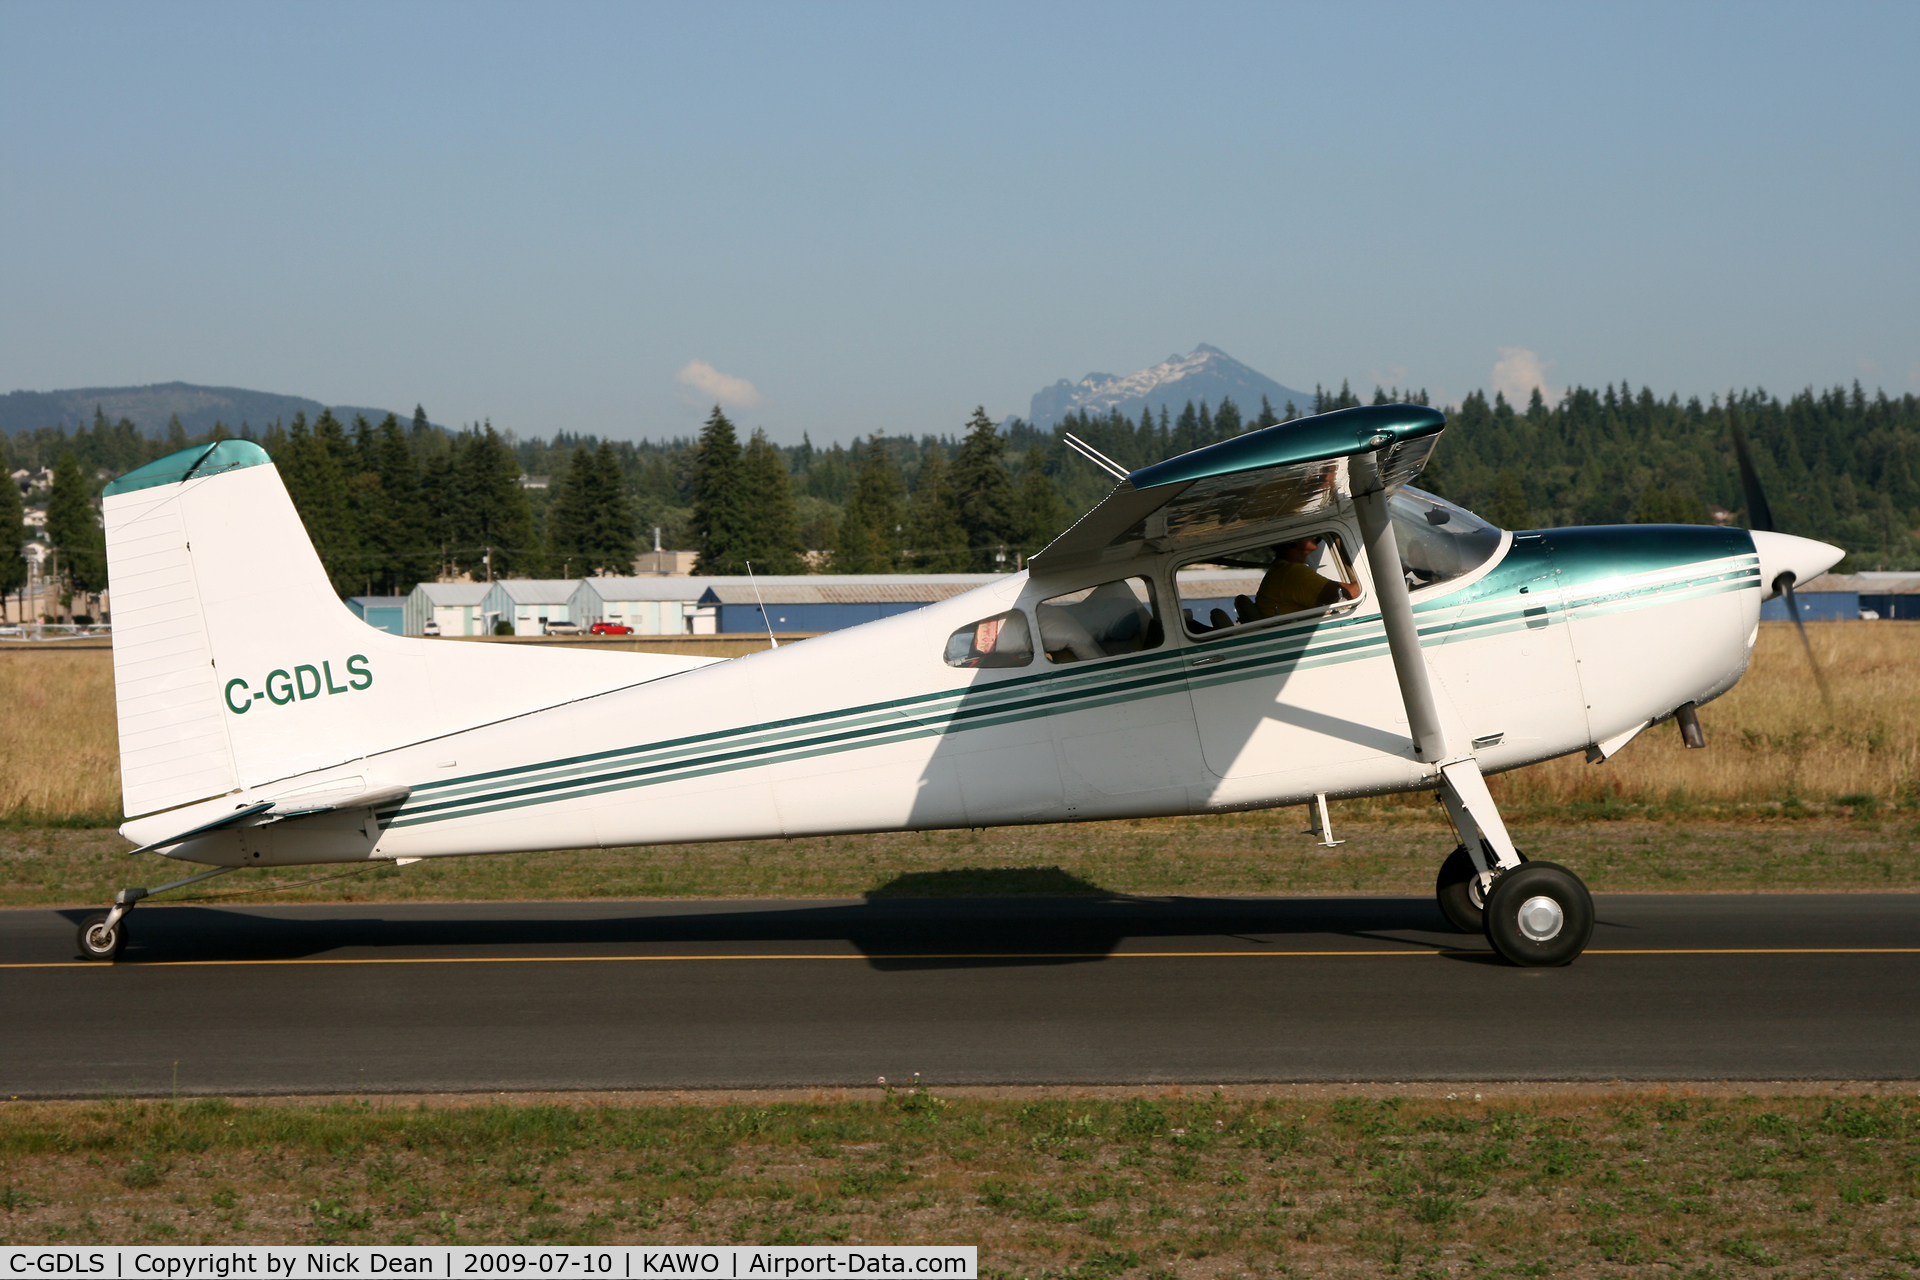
x=73 y=528
x=615 y=538
x=1267 y=418
x=720 y=520
x=935 y=537
x=772 y=527
x=1186 y=431
x=493 y=517
x=13 y=533
x=872 y=533
x=1227 y=423
x=570 y=518
x=1509 y=506
x=1038 y=513
x=983 y=493
x=401 y=539
x=1668 y=504
x=318 y=487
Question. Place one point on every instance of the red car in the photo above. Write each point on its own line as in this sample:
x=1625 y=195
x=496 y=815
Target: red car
x=610 y=629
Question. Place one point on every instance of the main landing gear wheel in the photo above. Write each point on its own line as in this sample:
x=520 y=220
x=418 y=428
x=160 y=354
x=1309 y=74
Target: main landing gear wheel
x=100 y=940
x=1457 y=889
x=1539 y=915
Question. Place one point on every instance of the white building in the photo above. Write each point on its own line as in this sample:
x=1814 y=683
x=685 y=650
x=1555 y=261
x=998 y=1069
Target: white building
x=529 y=603
x=652 y=606
x=454 y=607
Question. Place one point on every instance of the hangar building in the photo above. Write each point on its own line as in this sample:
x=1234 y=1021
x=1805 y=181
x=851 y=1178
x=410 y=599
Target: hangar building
x=828 y=601
x=454 y=606
x=657 y=605
x=382 y=613
x=529 y=604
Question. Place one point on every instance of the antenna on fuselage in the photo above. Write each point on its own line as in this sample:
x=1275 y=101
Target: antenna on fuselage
x=1094 y=456
x=771 y=642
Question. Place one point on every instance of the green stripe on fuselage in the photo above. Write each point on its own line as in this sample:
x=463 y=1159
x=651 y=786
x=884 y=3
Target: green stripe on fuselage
x=1552 y=568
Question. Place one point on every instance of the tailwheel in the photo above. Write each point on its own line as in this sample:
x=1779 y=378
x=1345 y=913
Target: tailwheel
x=1457 y=890
x=102 y=937
x=1538 y=915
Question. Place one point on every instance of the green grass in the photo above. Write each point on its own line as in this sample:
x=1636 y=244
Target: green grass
x=1391 y=850
x=1137 y=1186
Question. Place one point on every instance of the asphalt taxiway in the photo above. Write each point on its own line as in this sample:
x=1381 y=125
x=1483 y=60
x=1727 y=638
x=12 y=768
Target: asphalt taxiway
x=517 y=996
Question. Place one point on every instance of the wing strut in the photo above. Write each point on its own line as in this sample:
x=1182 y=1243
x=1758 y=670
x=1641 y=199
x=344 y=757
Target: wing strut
x=1462 y=789
x=1396 y=614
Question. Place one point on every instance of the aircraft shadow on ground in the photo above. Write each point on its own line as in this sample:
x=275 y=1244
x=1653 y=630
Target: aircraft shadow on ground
x=921 y=920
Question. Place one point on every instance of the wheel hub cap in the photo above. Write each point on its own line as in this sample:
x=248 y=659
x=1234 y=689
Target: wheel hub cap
x=1541 y=918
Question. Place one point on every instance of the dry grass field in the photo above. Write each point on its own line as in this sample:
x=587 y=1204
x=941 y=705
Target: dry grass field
x=1785 y=797
x=1770 y=742
x=59 y=751
x=1152 y=1186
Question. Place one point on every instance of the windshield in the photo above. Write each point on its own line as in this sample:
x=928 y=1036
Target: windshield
x=1438 y=541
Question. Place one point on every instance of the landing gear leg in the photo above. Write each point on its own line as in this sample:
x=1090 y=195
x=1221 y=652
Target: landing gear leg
x=103 y=935
x=1457 y=890
x=1534 y=913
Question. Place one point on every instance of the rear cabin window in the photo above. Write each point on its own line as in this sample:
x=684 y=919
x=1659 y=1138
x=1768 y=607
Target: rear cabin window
x=1265 y=580
x=1100 y=622
x=1004 y=640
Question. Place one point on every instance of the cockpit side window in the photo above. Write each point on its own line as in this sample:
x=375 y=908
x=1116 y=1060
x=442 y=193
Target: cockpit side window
x=1438 y=541
x=1266 y=580
x=1099 y=622
x=1004 y=640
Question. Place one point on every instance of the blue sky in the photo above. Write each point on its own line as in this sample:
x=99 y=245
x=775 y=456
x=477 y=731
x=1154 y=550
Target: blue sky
x=845 y=218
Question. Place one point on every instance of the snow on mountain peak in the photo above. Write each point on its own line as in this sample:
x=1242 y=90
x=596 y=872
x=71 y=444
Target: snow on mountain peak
x=1206 y=374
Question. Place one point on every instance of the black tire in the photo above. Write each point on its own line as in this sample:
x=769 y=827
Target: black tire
x=1539 y=915
x=1457 y=890
x=100 y=943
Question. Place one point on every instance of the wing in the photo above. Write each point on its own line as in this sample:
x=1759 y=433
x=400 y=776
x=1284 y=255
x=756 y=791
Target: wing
x=1265 y=477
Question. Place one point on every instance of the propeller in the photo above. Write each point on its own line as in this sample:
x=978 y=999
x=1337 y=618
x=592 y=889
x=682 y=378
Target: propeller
x=1760 y=516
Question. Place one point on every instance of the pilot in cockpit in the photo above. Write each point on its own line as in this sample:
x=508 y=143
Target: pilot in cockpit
x=1292 y=585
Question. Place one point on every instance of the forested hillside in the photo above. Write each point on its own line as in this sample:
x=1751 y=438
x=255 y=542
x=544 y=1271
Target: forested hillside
x=392 y=502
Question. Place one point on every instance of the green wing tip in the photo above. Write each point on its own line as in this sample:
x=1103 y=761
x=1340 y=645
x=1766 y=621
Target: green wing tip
x=1339 y=434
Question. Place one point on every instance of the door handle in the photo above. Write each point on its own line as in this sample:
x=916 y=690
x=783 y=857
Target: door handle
x=1201 y=662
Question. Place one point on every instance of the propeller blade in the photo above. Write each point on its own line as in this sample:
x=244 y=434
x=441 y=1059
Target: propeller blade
x=1793 y=610
x=1759 y=514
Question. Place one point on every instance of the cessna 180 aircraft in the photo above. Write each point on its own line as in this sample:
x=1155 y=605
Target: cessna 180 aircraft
x=1394 y=642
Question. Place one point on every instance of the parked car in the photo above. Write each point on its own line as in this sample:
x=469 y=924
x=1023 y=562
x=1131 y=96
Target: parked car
x=562 y=628
x=431 y=629
x=611 y=629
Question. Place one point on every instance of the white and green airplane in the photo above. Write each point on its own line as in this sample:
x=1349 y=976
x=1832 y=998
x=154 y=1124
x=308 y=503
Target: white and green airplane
x=1367 y=638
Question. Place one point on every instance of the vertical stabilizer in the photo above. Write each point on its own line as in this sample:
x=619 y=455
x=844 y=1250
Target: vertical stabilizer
x=237 y=667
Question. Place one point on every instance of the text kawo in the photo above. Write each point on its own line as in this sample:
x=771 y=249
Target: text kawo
x=300 y=683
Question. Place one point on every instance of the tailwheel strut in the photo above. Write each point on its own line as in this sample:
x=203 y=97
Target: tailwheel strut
x=103 y=935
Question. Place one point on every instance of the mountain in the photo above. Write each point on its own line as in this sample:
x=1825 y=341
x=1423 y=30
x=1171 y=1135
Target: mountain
x=1208 y=374
x=150 y=407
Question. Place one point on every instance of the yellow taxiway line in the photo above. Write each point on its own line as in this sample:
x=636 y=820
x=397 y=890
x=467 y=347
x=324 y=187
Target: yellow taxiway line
x=962 y=955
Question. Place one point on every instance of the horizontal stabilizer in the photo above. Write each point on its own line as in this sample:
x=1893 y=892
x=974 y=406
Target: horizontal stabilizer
x=238 y=815
x=304 y=805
